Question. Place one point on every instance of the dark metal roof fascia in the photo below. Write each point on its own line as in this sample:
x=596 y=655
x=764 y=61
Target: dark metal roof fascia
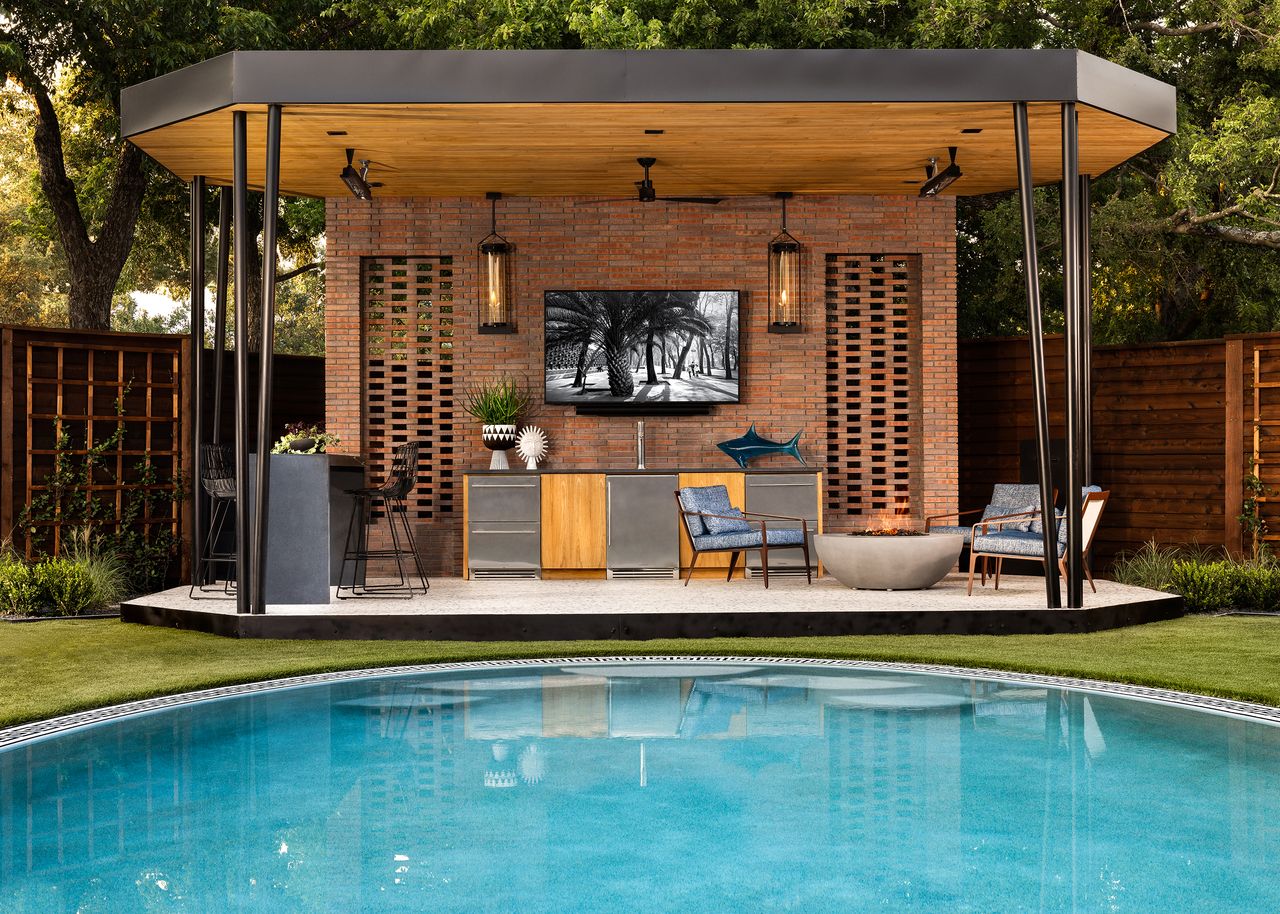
x=1126 y=93
x=672 y=76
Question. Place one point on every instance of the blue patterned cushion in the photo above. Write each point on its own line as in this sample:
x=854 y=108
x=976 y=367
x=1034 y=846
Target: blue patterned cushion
x=1009 y=497
x=705 y=500
x=716 y=525
x=1014 y=542
x=751 y=540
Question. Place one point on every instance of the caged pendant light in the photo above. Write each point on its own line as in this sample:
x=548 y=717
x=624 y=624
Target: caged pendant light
x=495 y=255
x=784 y=278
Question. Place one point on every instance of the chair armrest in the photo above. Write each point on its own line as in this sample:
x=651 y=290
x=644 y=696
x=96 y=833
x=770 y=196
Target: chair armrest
x=727 y=516
x=772 y=516
x=1000 y=520
x=955 y=514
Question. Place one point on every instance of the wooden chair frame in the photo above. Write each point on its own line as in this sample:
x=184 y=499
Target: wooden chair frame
x=982 y=527
x=751 y=518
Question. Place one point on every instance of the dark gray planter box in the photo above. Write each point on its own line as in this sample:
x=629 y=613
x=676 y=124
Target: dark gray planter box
x=309 y=512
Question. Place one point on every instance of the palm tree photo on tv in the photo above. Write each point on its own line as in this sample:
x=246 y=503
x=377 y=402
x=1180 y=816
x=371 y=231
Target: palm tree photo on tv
x=638 y=347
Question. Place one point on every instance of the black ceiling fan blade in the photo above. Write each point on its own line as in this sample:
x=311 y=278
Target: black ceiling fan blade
x=600 y=200
x=707 y=201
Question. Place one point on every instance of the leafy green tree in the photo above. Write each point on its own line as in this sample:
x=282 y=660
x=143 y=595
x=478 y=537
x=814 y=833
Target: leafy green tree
x=73 y=56
x=1185 y=234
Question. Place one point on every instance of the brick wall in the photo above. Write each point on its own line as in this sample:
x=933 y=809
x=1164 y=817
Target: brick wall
x=784 y=384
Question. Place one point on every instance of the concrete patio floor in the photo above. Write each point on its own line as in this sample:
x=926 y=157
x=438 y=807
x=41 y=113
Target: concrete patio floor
x=534 y=610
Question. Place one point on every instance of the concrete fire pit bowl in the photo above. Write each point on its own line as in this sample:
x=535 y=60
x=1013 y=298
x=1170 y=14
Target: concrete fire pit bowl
x=888 y=562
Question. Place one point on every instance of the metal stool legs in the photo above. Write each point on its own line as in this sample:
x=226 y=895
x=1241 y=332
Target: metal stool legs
x=403 y=551
x=204 y=574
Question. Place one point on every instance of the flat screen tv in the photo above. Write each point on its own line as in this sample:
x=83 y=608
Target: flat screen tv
x=641 y=347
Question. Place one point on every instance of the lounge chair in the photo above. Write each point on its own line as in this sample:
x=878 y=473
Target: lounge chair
x=1006 y=499
x=712 y=524
x=1021 y=537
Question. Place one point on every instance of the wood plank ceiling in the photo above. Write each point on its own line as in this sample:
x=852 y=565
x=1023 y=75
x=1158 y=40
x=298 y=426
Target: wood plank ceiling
x=590 y=149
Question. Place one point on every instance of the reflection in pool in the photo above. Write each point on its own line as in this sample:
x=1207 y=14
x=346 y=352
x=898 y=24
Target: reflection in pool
x=631 y=788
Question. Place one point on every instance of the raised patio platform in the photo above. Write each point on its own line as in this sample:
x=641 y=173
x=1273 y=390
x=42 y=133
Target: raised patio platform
x=456 y=610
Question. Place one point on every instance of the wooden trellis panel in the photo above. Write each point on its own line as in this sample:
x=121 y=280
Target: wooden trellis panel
x=83 y=384
x=873 y=384
x=408 y=328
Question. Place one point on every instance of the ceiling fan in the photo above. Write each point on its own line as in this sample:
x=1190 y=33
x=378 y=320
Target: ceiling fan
x=645 y=192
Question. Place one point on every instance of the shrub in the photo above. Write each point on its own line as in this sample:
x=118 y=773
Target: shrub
x=66 y=587
x=19 y=595
x=1224 y=585
x=60 y=587
x=1206 y=587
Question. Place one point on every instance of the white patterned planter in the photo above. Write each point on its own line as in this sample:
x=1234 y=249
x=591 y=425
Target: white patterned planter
x=499 y=439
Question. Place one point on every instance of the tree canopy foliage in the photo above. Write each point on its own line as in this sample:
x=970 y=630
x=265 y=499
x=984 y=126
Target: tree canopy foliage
x=1186 y=235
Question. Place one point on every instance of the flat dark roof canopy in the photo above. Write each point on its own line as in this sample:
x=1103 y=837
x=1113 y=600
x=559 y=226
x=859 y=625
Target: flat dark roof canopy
x=729 y=122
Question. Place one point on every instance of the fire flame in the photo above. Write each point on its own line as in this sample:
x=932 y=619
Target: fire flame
x=896 y=523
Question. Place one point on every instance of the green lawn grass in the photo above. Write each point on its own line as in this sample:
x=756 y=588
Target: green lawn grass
x=51 y=668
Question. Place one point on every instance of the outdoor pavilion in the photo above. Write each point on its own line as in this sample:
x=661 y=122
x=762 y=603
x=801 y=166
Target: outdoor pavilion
x=532 y=123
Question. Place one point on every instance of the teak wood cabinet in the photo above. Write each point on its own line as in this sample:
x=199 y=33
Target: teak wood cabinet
x=619 y=523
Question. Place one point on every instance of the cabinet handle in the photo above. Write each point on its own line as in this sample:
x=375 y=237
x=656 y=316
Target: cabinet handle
x=500 y=532
x=608 y=512
x=503 y=485
x=774 y=485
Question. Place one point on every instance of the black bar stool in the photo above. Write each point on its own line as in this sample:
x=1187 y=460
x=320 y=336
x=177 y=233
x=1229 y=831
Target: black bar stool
x=218 y=479
x=392 y=493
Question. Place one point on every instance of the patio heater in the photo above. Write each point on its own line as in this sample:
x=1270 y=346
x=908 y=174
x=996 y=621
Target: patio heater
x=784 y=277
x=495 y=257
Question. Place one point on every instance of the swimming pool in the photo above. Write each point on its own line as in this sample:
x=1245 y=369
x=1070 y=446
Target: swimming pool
x=673 y=786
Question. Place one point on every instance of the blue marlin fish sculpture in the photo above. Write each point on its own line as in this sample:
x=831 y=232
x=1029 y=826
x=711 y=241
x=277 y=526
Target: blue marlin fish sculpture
x=750 y=446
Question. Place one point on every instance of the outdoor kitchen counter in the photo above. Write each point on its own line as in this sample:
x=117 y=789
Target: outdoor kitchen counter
x=648 y=471
x=595 y=522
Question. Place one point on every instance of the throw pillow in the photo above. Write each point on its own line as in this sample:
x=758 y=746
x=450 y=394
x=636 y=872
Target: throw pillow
x=1027 y=525
x=718 y=525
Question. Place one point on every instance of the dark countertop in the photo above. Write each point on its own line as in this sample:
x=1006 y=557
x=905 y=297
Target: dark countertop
x=336 y=461
x=648 y=471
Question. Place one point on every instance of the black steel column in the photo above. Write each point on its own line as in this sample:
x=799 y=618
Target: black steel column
x=197 y=368
x=240 y=207
x=1035 y=339
x=1086 y=329
x=220 y=310
x=1071 y=306
x=266 y=356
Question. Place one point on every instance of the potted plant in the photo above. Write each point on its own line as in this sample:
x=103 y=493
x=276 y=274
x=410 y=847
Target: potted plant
x=304 y=438
x=497 y=403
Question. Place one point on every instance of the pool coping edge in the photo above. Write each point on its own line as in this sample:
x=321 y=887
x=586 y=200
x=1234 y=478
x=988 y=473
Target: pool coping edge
x=34 y=731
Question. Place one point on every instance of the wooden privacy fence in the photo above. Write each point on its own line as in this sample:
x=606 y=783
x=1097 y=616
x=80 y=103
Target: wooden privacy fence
x=1173 y=432
x=81 y=387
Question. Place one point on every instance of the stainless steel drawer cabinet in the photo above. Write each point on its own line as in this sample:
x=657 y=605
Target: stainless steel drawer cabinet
x=793 y=494
x=641 y=534
x=504 y=535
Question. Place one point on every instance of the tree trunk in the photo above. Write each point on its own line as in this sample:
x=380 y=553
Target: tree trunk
x=94 y=265
x=580 y=377
x=253 y=287
x=728 y=365
x=651 y=376
x=618 y=363
x=684 y=354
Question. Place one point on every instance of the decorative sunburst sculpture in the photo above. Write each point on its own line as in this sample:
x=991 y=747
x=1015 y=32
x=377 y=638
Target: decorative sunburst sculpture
x=531 y=444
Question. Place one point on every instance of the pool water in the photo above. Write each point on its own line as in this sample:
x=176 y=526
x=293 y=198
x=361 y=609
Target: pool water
x=707 y=787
